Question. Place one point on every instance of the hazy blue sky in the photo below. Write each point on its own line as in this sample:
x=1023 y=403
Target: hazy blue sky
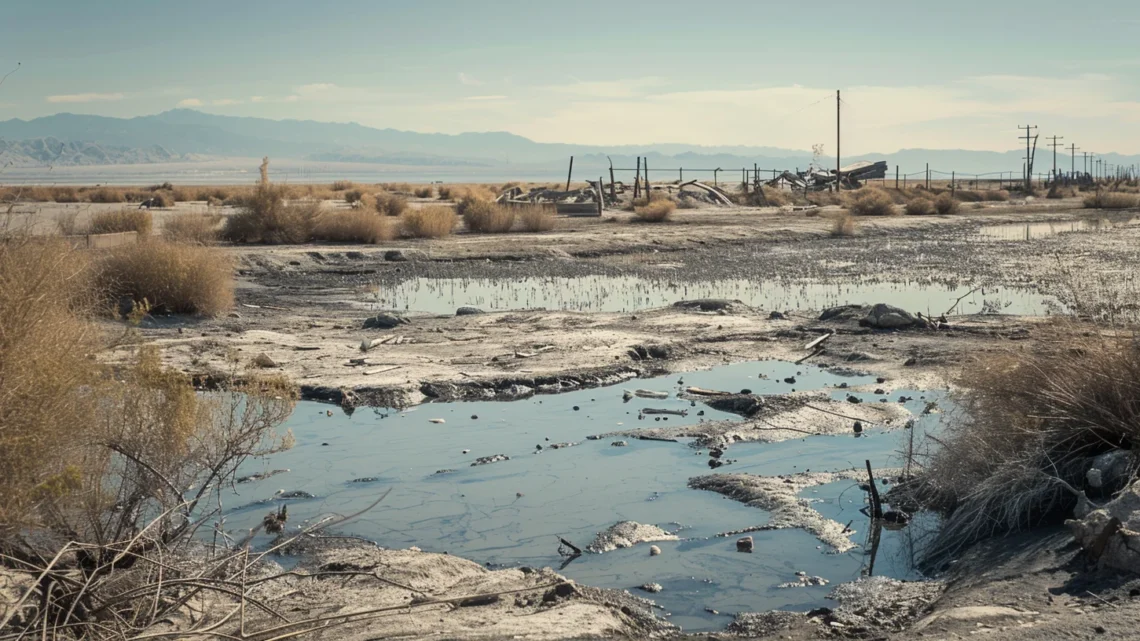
x=914 y=74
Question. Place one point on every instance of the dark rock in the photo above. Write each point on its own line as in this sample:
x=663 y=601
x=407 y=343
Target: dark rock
x=776 y=316
x=649 y=352
x=619 y=444
x=853 y=399
x=745 y=544
x=884 y=316
x=791 y=380
x=294 y=494
x=487 y=460
x=260 y=476
x=895 y=517
x=858 y=427
x=746 y=391
x=444 y=471
x=366 y=479
x=716 y=452
x=843 y=312
x=740 y=404
x=384 y=321
x=468 y=311
x=652 y=588
x=404 y=255
x=707 y=304
x=564 y=590
x=910 y=362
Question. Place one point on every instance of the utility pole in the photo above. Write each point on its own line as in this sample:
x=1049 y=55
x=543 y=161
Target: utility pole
x=837 y=139
x=1054 y=145
x=1073 y=161
x=1028 y=155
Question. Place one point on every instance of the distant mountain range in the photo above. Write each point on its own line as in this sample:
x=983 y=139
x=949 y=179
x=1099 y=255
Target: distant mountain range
x=187 y=135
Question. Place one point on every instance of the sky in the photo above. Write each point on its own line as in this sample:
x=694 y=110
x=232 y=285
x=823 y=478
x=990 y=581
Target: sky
x=951 y=75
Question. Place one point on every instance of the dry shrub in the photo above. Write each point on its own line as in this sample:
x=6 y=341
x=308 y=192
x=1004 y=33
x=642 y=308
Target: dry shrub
x=353 y=196
x=445 y=192
x=429 y=222
x=65 y=195
x=484 y=217
x=685 y=201
x=945 y=204
x=265 y=217
x=200 y=229
x=342 y=185
x=461 y=192
x=356 y=226
x=871 y=201
x=424 y=192
x=1030 y=423
x=1110 y=200
x=390 y=204
x=656 y=211
x=919 y=207
x=776 y=197
x=66 y=222
x=46 y=362
x=401 y=188
x=106 y=195
x=844 y=225
x=111 y=222
x=535 y=218
x=995 y=195
x=169 y=277
x=1058 y=191
x=968 y=196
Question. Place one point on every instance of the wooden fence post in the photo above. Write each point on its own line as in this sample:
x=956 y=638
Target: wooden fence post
x=569 y=173
x=953 y=185
x=896 y=177
x=637 y=180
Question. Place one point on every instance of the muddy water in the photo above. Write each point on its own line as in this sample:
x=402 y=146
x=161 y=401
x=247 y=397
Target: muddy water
x=509 y=513
x=1033 y=231
x=606 y=293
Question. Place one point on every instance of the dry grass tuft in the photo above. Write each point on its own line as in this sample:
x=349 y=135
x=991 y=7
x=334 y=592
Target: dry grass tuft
x=919 y=207
x=353 y=196
x=342 y=185
x=995 y=195
x=429 y=222
x=1111 y=200
x=424 y=192
x=945 y=204
x=535 y=218
x=111 y=222
x=356 y=226
x=656 y=211
x=169 y=277
x=265 y=217
x=106 y=195
x=390 y=204
x=194 y=229
x=844 y=225
x=485 y=217
x=871 y=201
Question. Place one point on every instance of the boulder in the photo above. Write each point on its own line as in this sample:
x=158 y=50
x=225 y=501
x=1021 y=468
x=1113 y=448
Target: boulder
x=404 y=255
x=1109 y=471
x=468 y=311
x=883 y=316
x=744 y=544
x=384 y=321
x=843 y=312
x=1110 y=534
x=707 y=304
x=263 y=360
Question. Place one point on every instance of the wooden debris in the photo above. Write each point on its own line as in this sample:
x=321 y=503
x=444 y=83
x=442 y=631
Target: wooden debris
x=381 y=370
x=368 y=344
x=645 y=393
x=819 y=341
x=652 y=411
x=706 y=392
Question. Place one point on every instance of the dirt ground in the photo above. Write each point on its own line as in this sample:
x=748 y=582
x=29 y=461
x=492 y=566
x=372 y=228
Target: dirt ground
x=304 y=307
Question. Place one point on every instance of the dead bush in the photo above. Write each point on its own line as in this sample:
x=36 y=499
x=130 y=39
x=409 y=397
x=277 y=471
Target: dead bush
x=390 y=204
x=1110 y=200
x=685 y=201
x=342 y=185
x=919 y=207
x=656 y=211
x=194 y=229
x=106 y=195
x=65 y=195
x=355 y=226
x=66 y=223
x=995 y=195
x=353 y=196
x=168 y=277
x=111 y=222
x=424 y=192
x=535 y=218
x=429 y=222
x=1028 y=426
x=485 y=217
x=871 y=201
x=946 y=204
x=265 y=217
x=844 y=225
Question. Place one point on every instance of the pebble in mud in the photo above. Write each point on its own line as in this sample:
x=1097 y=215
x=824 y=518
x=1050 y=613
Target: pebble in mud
x=858 y=427
x=654 y=550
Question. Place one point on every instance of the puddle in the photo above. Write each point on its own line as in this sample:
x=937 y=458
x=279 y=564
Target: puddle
x=632 y=293
x=1032 y=231
x=576 y=492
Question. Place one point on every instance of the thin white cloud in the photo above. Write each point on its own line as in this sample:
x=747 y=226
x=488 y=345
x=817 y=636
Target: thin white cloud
x=190 y=102
x=257 y=98
x=627 y=88
x=469 y=80
x=86 y=97
x=485 y=98
x=291 y=98
x=222 y=102
x=316 y=88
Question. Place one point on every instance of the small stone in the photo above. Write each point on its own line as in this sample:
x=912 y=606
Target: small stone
x=264 y=361
x=474 y=417
x=858 y=427
x=436 y=420
x=466 y=451
x=652 y=588
x=654 y=550
x=619 y=444
x=746 y=391
x=468 y=311
x=744 y=544
x=576 y=408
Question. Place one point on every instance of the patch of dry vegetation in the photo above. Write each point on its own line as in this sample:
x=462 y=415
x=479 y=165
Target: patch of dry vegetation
x=436 y=221
x=485 y=217
x=355 y=226
x=656 y=211
x=122 y=220
x=536 y=218
x=168 y=277
x=266 y=217
x=919 y=207
x=844 y=225
x=424 y=192
x=871 y=201
x=390 y=204
x=106 y=195
x=1111 y=200
x=946 y=204
x=193 y=229
x=353 y=196
x=342 y=185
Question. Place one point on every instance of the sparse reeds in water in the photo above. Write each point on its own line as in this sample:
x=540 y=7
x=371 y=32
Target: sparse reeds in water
x=655 y=211
x=1111 y=200
x=946 y=204
x=266 y=217
x=871 y=201
x=844 y=225
x=434 y=221
x=192 y=228
x=919 y=207
x=354 y=226
x=122 y=220
x=536 y=218
x=485 y=217
x=173 y=277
